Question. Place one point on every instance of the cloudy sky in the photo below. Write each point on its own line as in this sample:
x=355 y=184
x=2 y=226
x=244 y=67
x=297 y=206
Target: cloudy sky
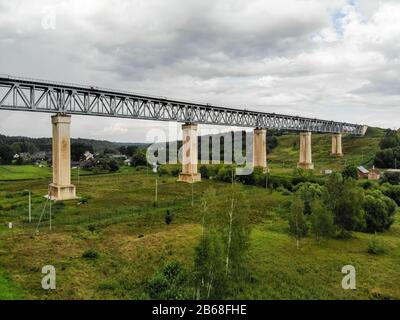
x=331 y=59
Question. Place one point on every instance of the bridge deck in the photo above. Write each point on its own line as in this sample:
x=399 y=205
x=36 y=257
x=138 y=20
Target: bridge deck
x=54 y=97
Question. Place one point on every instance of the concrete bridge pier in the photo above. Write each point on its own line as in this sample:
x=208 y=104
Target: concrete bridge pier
x=260 y=148
x=61 y=188
x=189 y=154
x=305 y=161
x=337 y=145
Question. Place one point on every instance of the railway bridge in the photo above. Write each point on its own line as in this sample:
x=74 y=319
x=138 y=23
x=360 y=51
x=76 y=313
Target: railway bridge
x=64 y=99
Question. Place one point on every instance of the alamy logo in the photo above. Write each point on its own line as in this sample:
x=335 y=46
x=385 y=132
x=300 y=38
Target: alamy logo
x=349 y=280
x=49 y=18
x=235 y=147
x=49 y=280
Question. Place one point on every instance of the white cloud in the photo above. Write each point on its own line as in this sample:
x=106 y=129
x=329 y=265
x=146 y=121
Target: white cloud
x=326 y=59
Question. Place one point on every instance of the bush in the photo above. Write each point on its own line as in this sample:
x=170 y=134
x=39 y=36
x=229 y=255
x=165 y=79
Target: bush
x=168 y=217
x=175 y=172
x=350 y=172
x=225 y=174
x=379 y=211
x=391 y=177
x=376 y=246
x=90 y=254
x=391 y=191
x=171 y=283
x=162 y=171
x=366 y=185
x=301 y=175
x=204 y=172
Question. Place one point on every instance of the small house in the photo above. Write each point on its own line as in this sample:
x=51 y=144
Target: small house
x=374 y=174
x=362 y=172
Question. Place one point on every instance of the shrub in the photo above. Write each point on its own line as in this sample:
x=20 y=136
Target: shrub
x=162 y=171
x=204 y=171
x=376 y=246
x=391 y=177
x=301 y=175
x=366 y=185
x=175 y=172
x=171 y=283
x=391 y=191
x=90 y=254
x=225 y=174
x=168 y=217
x=350 y=172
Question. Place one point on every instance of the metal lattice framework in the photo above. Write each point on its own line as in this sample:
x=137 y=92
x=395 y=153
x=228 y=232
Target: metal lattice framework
x=54 y=97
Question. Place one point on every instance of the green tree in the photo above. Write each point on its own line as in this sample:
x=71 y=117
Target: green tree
x=297 y=222
x=6 y=154
x=308 y=192
x=350 y=171
x=78 y=149
x=390 y=140
x=221 y=254
x=171 y=283
x=138 y=157
x=379 y=211
x=387 y=158
x=345 y=199
x=321 y=218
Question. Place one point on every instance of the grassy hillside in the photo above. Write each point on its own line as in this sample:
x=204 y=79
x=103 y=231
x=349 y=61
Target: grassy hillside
x=122 y=223
x=357 y=151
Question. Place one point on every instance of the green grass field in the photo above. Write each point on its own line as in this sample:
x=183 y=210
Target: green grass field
x=122 y=222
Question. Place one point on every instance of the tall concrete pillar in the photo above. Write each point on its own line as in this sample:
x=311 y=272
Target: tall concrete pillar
x=260 y=148
x=61 y=188
x=337 y=144
x=189 y=154
x=305 y=161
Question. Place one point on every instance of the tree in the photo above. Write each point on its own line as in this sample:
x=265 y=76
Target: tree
x=390 y=140
x=379 y=211
x=78 y=149
x=297 y=221
x=345 y=199
x=308 y=192
x=123 y=150
x=139 y=157
x=222 y=251
x=24 y=146
x=350 y=171
x=321 y=218
x=6 y=154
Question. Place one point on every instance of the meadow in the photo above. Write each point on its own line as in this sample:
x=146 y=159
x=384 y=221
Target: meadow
x=121 y=221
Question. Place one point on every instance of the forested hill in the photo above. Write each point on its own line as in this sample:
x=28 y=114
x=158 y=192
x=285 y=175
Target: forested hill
x=44 y=144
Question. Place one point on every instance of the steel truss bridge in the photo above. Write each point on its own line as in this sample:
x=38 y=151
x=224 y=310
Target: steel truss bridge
x=24 y=94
